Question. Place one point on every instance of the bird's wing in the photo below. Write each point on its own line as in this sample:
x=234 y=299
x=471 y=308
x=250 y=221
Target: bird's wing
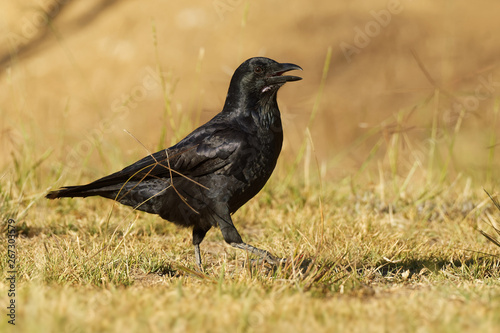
x=200 y=155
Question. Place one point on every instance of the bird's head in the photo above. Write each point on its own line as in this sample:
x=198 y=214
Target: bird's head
x=264 y=74
x=259 y=78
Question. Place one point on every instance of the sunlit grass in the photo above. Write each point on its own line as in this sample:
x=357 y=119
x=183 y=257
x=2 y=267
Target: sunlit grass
x=387 y=242
x=391 y=233
x=415 y=261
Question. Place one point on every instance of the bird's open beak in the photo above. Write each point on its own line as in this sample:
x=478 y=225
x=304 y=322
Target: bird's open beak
x=276 y=76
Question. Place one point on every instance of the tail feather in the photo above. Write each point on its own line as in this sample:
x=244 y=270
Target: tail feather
x=142 y=196
x=83 y=191
x=143 y=189
x=56 y=194
x=72 y=192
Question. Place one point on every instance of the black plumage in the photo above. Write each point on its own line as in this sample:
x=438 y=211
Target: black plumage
x=212 y=172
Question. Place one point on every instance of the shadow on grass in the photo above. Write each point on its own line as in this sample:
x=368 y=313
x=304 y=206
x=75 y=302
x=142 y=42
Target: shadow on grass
x=308 y=268
x=165 y=271
x=479 y=266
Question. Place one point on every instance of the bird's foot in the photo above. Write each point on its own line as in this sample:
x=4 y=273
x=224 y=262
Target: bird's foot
x=264 y=255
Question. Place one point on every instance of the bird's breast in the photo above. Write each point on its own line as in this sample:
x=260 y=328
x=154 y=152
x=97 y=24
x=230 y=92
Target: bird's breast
x=256 y=168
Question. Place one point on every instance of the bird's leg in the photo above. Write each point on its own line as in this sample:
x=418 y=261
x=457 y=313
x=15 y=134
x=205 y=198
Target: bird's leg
x=197 y=256
x=265 y=255
x=233 y=238
x=198 y=235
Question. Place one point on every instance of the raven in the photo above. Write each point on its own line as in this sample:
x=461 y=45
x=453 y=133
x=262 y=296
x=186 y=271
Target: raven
x=206 y=177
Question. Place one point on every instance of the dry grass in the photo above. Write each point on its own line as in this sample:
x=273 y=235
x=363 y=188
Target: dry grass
x=377 y=198
x=419 y=267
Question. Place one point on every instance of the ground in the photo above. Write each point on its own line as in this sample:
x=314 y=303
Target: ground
x=377 y=201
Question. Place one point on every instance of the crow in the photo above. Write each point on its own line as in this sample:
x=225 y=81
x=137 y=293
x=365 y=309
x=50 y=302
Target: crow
x=206 y=177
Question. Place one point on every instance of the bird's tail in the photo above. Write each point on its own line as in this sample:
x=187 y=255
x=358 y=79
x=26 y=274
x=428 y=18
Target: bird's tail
x=140 y=195
x=82 y=191
x=72 y=192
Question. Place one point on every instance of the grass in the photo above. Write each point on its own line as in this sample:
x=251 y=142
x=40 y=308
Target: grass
x=410 y=265
x=402 y=239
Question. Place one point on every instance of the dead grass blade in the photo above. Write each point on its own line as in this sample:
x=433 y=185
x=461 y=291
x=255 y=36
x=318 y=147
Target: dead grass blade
x=492 y=238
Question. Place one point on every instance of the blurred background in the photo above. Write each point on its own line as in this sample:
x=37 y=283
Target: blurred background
x=403 y=87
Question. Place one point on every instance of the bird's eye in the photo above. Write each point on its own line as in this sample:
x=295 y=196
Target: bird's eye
x=258 y=70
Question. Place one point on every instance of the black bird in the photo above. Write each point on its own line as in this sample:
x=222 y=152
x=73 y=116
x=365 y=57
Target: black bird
x=212 y=172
